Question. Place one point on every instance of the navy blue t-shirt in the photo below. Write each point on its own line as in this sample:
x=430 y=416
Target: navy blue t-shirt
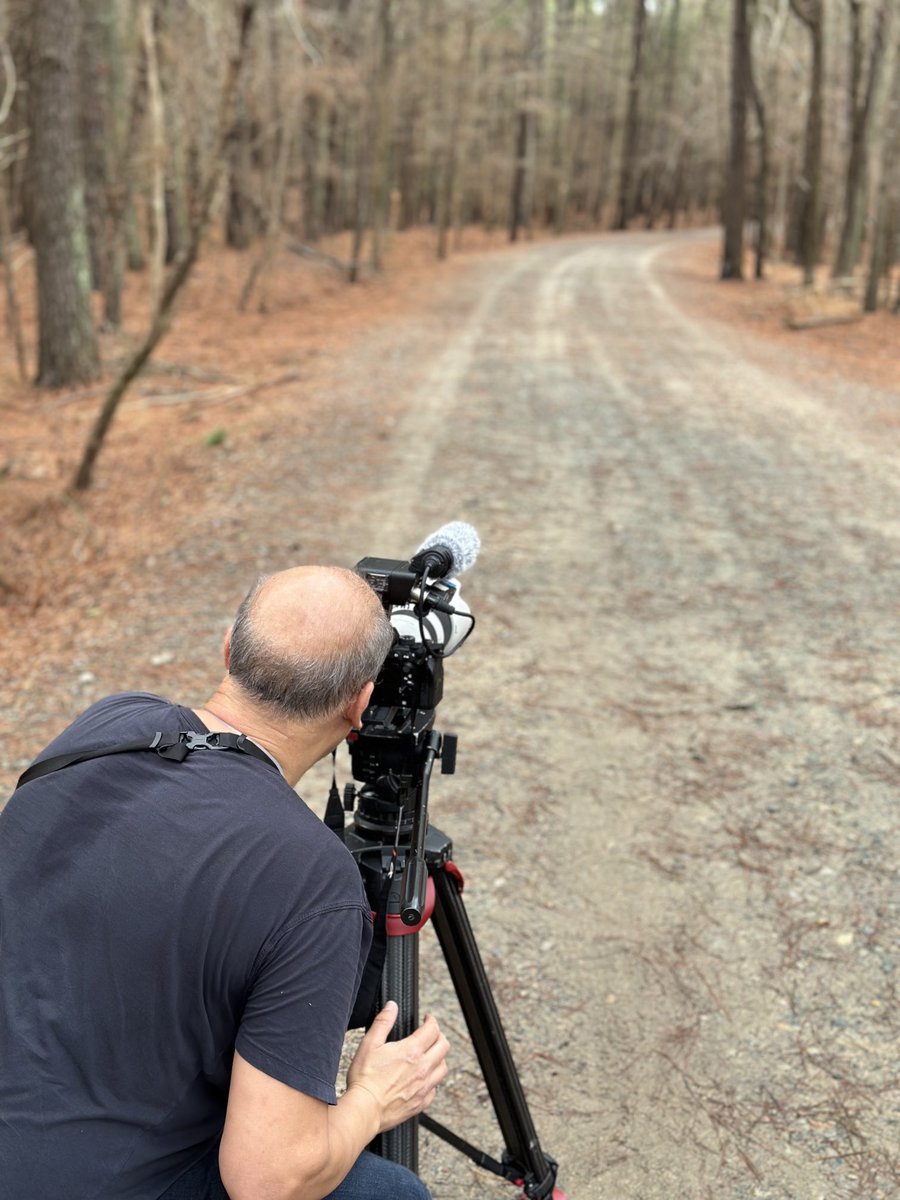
x=154 y=916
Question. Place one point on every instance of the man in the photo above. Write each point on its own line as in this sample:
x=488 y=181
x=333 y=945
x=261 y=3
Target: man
x=181 y=941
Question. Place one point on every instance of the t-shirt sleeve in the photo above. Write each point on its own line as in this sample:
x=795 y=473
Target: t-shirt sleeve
x=296 y=1015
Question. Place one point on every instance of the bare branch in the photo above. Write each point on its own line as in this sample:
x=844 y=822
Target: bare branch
x=9 y=72
x=293 y=19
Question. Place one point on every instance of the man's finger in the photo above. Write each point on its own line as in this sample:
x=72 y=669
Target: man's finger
x=428 y=1032
x=380 y=1029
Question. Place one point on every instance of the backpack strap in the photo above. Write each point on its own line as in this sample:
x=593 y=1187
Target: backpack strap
x=175 y=746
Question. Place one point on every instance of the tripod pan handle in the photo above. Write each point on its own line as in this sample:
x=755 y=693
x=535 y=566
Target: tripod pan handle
x=412 y=895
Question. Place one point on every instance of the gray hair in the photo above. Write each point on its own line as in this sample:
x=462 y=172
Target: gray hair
x=307 y=685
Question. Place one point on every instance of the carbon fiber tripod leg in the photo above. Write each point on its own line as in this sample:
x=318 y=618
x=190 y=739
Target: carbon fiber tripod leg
x=524 y=1155
x=400 y=982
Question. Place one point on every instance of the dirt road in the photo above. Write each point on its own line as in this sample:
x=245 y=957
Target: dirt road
x=676 y=795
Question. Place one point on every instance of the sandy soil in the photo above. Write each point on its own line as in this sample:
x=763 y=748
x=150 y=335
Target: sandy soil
x=678 y=714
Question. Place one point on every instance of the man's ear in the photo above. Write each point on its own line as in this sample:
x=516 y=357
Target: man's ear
x=354 y=711
x=226 y=648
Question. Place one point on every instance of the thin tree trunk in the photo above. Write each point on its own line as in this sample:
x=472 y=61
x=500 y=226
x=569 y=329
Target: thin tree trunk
x=273 y=218
x=517 y=204
x=67 y=351
x=162 y=316
x=762 y=185
x=810 y=12
x=157 y=156
x=861 y=107
x=526 y=132
x=240 y=215
x=94 y=46
x=632 y=119
x=13 y=317
x=878 y=260
x=884 y=240
x=735 y=184
x=449 y=191
x=382 y=166
x=667 y=148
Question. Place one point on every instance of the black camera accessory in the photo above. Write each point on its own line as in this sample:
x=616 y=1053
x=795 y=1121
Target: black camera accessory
x=406 y=863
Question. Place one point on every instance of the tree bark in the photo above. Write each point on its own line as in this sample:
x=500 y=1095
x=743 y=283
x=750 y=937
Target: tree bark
x=668 y=141
x=762 y=185
x=736 y=181
x=95 y=47
x=526 y=124
x=67 y=342
x=632 y=119
x=158 y=223
x=810 y=12
x=861 y=106
x=241 y=225
x=383 y=157
x=13 y=317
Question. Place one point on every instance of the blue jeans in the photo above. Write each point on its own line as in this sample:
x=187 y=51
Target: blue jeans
x=370 y=1178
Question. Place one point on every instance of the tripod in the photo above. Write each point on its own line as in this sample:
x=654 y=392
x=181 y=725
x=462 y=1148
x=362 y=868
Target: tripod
x=410 y=877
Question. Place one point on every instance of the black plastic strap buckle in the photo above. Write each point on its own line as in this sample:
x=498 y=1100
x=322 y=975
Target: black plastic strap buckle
x=201 y=741
x=178 y=746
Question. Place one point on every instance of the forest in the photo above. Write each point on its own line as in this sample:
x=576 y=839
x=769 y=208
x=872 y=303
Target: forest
x=133 y=130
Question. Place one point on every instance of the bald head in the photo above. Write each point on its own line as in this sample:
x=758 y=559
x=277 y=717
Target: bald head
x=305 y=641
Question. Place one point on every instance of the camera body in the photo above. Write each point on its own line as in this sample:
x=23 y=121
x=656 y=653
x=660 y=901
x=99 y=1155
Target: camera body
x=430 y=621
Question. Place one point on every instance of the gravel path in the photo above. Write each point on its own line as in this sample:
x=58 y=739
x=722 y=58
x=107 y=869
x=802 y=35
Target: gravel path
x=677 y=715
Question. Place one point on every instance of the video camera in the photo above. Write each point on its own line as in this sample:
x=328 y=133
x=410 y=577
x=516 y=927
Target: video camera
x=431 y=621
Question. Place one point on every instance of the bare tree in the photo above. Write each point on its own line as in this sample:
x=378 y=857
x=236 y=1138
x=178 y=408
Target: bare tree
x=9 y=149
x=178 y=277
x=158 y=224
x=886 y=232
x=863 y=86
x=632 y=118
x=811 y=13
x=67 y=342
x=526 y=122
x=736 y=181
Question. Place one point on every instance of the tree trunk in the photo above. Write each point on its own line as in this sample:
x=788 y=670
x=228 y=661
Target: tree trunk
x=13 y=318
x=95 y=54
x=632 y=119
x=158 y=223
x=885 y=239
x=736 y=181
x=454 y=132
x=67 y=342
x=273 y=225
x=382 y=165
x=810 y=12
x=762 y=186
x=669 y=137
x=526 y=124
x=241 y=226
x=861 y=106
x=7 y=98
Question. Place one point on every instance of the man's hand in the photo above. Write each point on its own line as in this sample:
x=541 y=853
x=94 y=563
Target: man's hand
x=284 y=1145
x=401 y=1077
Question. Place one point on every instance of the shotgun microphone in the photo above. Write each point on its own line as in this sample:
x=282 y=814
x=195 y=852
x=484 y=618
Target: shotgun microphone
x=448 y=551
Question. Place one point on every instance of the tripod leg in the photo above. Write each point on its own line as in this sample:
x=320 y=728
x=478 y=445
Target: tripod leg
x=467 y=971
x=400 y=982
